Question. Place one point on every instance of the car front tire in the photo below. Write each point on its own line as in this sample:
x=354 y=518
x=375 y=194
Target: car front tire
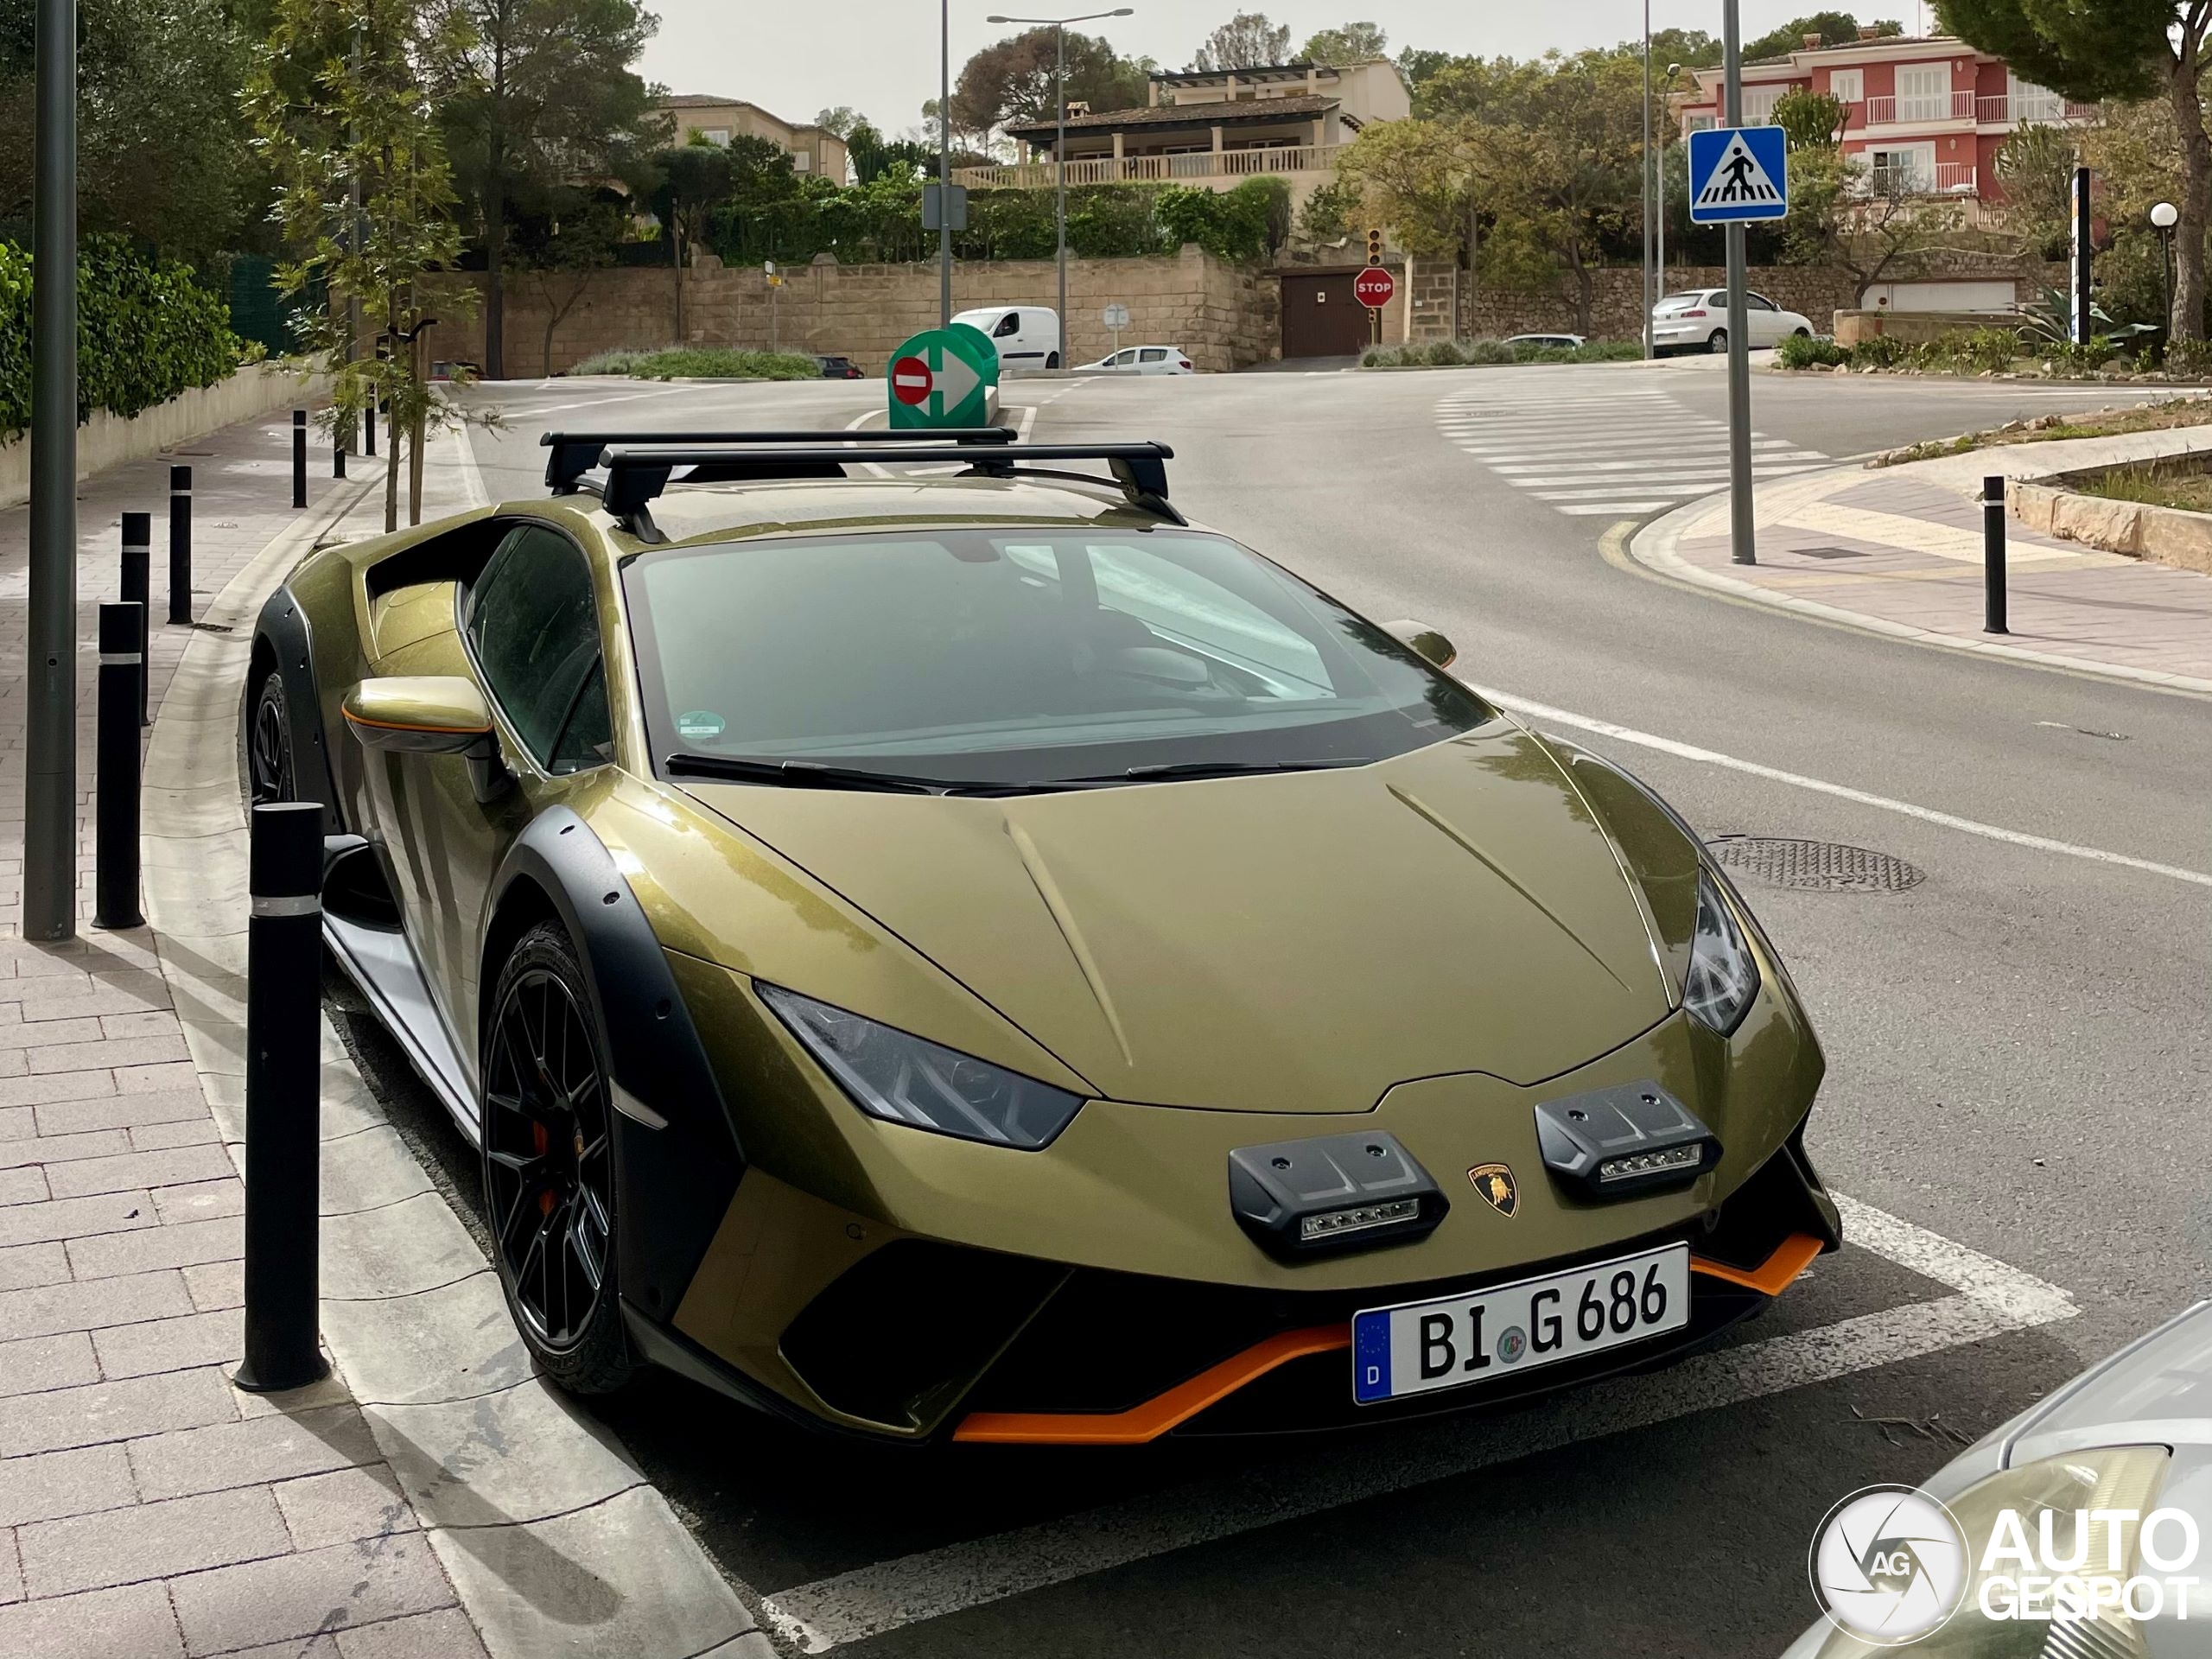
x=548 y=1166
x=269 y=772
x=1051 y=360
x=1718 y=342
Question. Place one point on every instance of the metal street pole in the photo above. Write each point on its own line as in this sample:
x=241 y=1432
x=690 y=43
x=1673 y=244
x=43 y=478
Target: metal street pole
x=945 y=164
x=1743 y=535
x=1651 y=346
x=50 y=722
x=1060 y=180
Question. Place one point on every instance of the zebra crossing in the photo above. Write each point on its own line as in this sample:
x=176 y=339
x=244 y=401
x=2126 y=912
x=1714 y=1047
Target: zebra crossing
x=1590 y=452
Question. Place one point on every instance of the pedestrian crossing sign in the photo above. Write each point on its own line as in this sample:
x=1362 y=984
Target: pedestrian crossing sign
x=1739 y=174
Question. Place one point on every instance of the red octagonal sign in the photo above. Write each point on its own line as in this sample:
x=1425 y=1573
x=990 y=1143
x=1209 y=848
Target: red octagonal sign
x=1373 y=287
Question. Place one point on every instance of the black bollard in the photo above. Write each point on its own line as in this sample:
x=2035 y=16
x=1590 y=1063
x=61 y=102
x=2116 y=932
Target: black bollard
x=369 y=428
x=283 y=1106
x=338 y=459
x=1992 y=556
x=179 y=544
x=117 y=754
x=138 y=584
x=299 y=457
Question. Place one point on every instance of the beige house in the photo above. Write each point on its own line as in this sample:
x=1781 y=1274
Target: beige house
x=1215 y=130
x=812 y=148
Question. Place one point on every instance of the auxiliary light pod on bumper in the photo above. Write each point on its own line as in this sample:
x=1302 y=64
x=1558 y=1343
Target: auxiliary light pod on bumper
x=1335 y=1192
x=1630 y=1139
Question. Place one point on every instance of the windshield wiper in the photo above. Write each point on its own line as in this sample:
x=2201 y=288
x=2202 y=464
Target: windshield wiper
x=812 y=774
x=1172 y=771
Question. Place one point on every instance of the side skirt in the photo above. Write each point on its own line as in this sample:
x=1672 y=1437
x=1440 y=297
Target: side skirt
x=381 y=962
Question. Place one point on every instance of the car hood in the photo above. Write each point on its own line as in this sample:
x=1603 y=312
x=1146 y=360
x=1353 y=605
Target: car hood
x=1289 y=943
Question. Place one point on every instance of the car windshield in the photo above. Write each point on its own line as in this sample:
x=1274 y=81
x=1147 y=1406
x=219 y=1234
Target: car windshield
x=1017 y=657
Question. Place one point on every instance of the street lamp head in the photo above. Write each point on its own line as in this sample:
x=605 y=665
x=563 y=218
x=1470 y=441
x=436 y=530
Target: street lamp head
x=2165 y=215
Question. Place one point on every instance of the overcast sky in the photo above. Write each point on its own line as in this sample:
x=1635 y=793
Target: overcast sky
x=795 y=57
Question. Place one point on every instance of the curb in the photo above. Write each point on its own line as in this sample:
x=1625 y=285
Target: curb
x=1656 y=547
x=555 y=1542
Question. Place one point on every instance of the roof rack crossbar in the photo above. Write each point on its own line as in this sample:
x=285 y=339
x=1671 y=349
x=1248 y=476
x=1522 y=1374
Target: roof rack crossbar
x=575 y=454
x=637 y=472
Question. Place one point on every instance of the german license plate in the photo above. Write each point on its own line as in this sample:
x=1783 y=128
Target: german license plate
x=1454 y=1341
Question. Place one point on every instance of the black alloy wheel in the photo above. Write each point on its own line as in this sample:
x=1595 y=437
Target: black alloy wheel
x=548 y=1166
x=269 y=775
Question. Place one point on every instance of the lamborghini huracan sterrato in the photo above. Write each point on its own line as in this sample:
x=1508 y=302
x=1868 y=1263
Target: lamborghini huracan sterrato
x=963 y=953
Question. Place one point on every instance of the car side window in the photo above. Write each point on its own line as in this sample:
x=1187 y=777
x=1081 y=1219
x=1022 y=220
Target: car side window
x=536 y=634
x=1008 y=324
x=1758 y=302
x=1153 y=354
x=1121 y=358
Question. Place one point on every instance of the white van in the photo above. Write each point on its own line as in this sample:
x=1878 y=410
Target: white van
x=1027 y=336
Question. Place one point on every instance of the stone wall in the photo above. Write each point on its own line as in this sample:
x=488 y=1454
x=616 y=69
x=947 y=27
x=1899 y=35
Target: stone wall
x=1224 y=315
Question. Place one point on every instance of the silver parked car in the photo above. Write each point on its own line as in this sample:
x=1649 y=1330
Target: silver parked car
x=2131 y=1435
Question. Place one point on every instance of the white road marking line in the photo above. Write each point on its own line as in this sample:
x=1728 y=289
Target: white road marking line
x=1588 y=510
x=472 y=475
x=1690 y=481
x=1841 y=791
x=536 y=409
x=1512 y=469
x=1989 y=1298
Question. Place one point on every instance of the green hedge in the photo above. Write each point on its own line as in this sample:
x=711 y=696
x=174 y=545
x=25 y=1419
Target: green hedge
x=697 y=362
x=1460 y=353
x=146 y=331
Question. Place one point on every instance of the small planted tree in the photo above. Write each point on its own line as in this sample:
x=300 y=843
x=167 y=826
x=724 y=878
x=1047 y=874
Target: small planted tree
x=695 y=180
x=366 y=203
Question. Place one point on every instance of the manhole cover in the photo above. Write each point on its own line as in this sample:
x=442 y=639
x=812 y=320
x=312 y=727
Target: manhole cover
x=1824 y=866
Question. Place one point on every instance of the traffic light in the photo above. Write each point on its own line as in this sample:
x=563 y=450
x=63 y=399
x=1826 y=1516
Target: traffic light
x=1374 y=246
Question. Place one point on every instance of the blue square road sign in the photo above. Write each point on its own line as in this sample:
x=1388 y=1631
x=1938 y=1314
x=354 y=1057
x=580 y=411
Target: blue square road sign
x=1739 y=175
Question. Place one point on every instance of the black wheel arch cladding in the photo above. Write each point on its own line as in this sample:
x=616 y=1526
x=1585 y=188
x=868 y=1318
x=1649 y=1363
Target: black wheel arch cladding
x=672 y=1183
x=282 y=631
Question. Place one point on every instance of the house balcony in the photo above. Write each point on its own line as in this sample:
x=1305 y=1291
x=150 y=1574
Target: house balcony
x=2002 y=110
x=1217 y=169
x=1945 y=178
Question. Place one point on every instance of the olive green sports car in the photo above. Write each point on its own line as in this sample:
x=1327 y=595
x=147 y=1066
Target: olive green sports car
x=930 y=943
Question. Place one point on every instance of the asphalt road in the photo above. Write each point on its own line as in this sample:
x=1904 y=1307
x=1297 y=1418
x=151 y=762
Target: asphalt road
x=2016 y=1047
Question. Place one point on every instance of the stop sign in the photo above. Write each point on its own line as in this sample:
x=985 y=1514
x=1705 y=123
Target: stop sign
x=911 y=380
x=1373 y=288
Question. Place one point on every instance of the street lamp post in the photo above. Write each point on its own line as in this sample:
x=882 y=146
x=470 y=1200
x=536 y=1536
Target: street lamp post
x=944 y=165
x=1650 y=345
x=1060 y=28
x=1673 y=74
x=2163 y=218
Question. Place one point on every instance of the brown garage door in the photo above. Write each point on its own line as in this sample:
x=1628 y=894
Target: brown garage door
x=1320 y=318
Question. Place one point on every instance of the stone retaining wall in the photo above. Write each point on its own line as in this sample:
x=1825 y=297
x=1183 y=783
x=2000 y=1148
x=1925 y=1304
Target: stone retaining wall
x=1225 y=317
x=2163 y=535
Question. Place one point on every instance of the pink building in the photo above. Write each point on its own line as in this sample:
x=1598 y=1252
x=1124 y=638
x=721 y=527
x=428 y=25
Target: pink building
x=1924 y=114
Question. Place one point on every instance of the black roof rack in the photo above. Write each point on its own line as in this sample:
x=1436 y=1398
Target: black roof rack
x=637 y=472
x=575 y=454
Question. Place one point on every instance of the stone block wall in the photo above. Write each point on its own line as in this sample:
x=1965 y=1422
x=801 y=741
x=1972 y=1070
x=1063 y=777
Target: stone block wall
x=1224 y=315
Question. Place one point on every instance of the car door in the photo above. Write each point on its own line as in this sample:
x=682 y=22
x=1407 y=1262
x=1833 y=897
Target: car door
x=1153 y=359
x=1763 y=321
x=530 y=629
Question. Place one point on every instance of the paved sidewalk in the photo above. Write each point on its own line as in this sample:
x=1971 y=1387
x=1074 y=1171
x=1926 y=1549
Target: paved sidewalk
x=147 y=1507
x=1899 y=549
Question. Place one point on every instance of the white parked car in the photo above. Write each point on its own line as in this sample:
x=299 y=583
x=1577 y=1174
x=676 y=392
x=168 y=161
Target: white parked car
x=1143 y=359
x=1027 y=336
x=1698 y=321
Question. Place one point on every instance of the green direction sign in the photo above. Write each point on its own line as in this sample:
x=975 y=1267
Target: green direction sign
x=944 y=377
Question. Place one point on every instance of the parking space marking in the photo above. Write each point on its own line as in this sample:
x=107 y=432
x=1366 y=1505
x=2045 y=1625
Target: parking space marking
x=1988 y=1299
x=1542 y=711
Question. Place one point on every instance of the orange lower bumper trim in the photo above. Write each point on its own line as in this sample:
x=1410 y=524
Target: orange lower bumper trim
x=1772 y=1276
x=1163 y=1412
x=1187 y=1400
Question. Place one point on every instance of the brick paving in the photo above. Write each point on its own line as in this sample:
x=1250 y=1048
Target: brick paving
x=1902 y=547
x=148 y=1508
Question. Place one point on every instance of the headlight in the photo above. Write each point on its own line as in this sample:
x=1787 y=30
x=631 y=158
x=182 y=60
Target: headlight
x=2094 y=1500
x=1723 y=978
x=906 y=1079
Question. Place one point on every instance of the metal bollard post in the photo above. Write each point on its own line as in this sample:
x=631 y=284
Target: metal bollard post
x=118 y=757
x=137 y=585
x=338 y=459
x=179 y=544
x=299 y=457
x=1992 y=556
x=283 y=1106
x=369 y=428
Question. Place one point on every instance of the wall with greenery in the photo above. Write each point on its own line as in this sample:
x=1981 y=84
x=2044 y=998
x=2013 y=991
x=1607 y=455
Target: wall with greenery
x=146 y=331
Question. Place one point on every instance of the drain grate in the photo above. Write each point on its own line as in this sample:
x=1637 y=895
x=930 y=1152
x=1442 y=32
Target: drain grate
x=1822 y=865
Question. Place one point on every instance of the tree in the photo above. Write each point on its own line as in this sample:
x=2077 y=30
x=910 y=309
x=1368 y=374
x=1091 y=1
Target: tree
x=1248 y=41
x=1418 y=63
x=2119 y=50
x=338 y=100
x=1834 y=29
x=874 y=155
x=1420 y=178
x=1809 y=120
x=1691 y=47
x=543 y=93
x=694 y=179
x=841 y=120
x=1010 y=82
x=163 y=151
x=1347 y=44
x=2035 y=165
x=557 y=254
x=1866 y=225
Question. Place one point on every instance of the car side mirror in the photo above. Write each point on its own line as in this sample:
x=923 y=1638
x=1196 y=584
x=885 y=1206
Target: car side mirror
x=430 y=714
x=1424 y=640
